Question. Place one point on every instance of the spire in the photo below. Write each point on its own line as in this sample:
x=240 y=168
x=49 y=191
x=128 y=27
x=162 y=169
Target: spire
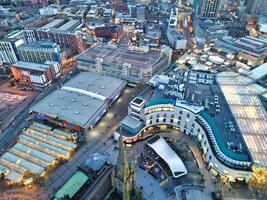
x=122 y=167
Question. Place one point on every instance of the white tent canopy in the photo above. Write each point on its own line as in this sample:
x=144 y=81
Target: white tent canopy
x=161 y=147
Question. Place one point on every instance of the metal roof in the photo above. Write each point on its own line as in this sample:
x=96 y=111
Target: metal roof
x=72 y=186
x=81 y=99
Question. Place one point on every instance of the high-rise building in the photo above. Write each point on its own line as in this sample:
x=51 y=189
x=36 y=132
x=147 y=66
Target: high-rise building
x=8 y=50
x=206 y=8
x=255 y=7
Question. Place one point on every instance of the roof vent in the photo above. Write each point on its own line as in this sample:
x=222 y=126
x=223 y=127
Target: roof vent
x=73 y=100
x=85 y=104
x=102 y=87
x=51 y=104
x=61 y=97
x=76 y=112
x=63 y=108
x=108 y=81
x=98 y=78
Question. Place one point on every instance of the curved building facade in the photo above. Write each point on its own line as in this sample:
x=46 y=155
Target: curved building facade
x=193 y=121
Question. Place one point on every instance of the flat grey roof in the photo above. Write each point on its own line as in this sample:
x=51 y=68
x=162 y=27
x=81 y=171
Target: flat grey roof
x=120 y=55
x=53 y=24
x=81 y=98
x=69 y=25
x=31 y=66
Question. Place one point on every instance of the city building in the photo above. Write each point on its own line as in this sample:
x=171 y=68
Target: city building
x=209 y=30
x=207 y=9
x=81 y=102
x=28 y=36
x=64 y=33
x=36 y=74
x=255 y=7
x=250 y=49
x=141 y=13
x=39 y=52
x=8 y=50
x=109 y=31
x=237 y=108
x=134 y=64
x=49 y=10
x=176 y=40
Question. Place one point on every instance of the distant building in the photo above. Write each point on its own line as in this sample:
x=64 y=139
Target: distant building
x=8 y=50
x=28 y=36
x=49 y=10
x=109 y=31
x=39 y=52
x=248 y=48
x=209 y=30
x=36 y=74
x=206 y=8
x=141 y=13
x=255 y=7
x=176 y=40
x=64 y=34
x=136 y=64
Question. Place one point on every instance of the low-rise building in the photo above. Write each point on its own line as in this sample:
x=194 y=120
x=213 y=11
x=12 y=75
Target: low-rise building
x=136 y=64
x=81 y=102
x=34 y=73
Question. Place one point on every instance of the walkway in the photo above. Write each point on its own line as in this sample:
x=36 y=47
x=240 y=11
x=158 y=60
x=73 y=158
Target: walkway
x=151 y=187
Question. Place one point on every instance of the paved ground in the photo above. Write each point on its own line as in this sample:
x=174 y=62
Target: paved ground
x=151 y=187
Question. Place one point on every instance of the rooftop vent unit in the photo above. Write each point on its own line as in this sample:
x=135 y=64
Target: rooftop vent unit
x=76 y=112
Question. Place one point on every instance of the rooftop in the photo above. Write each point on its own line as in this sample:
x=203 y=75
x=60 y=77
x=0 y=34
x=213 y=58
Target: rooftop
x=120 y=55
x=31 y=66
x=81 y=98
x=55 y=23
x=72 y=186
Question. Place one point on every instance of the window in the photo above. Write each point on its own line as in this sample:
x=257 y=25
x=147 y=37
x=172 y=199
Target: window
x=171 y=121
x=179 y=123
x=181 y=112
x=198 y=130
x=188 y=115
x=157 y=120
x=150 y=122
x=164 y=119
x=210 y=157
x=151 y=116
x=205 y=142
x=165 y=115
x=172 y=115
x=193 y=125
x=157 y=115
x=179 y=117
